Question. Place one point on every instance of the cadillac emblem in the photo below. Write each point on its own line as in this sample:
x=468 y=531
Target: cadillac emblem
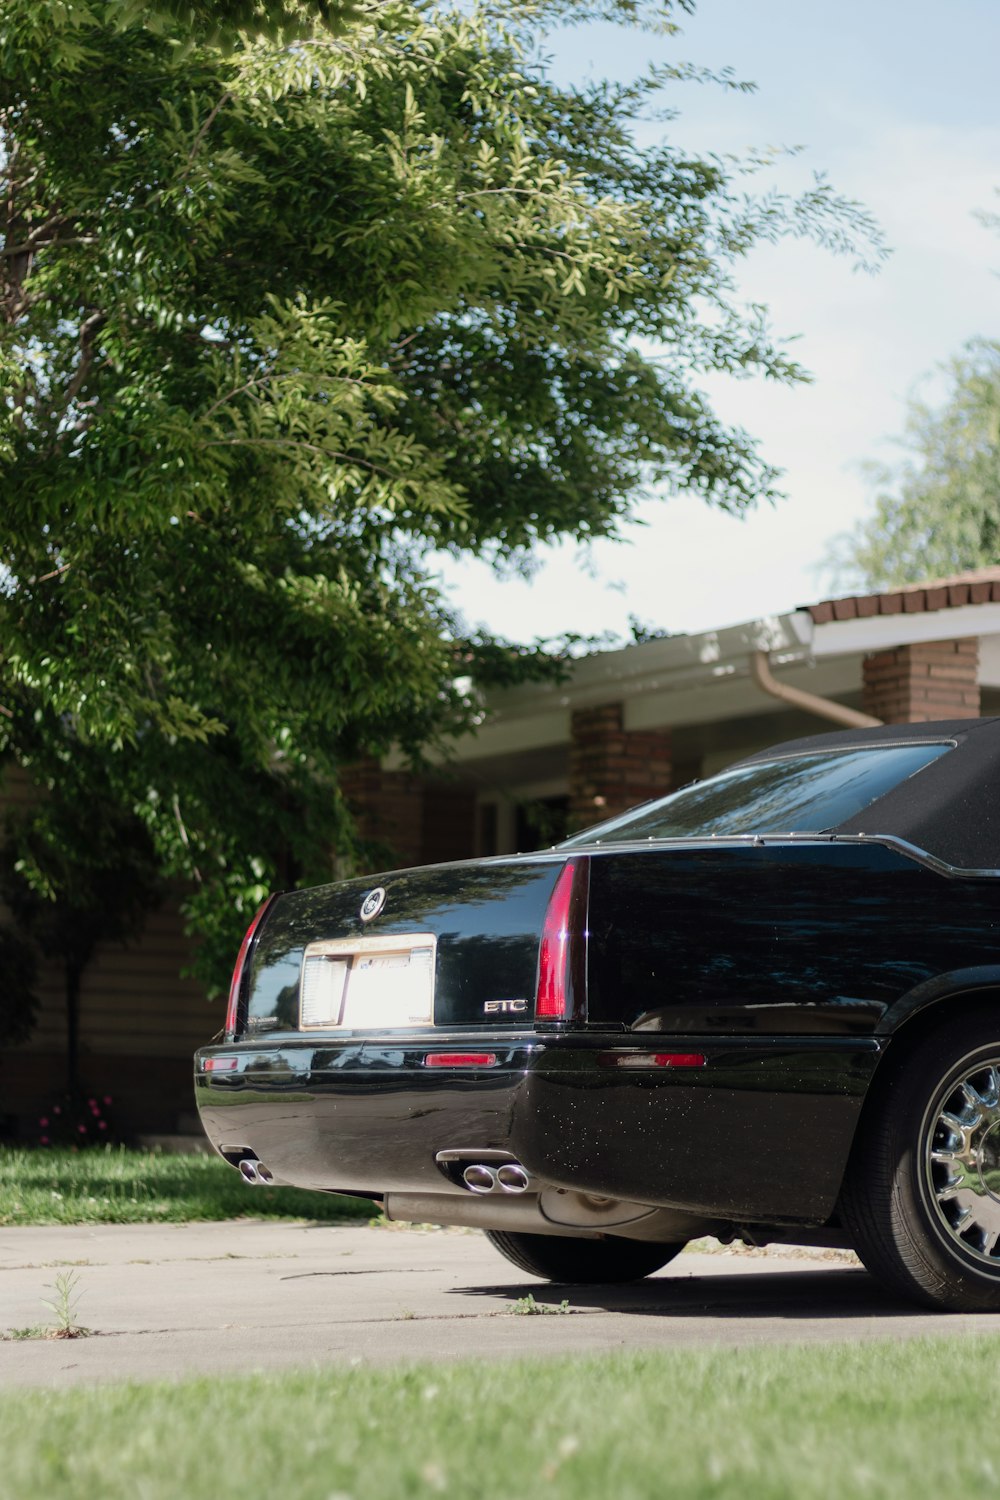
x=372 y=904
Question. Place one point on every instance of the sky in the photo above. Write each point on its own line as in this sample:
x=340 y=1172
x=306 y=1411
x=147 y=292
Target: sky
x=894 y=101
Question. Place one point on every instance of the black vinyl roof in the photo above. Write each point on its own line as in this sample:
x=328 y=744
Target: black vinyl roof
x=950 y=808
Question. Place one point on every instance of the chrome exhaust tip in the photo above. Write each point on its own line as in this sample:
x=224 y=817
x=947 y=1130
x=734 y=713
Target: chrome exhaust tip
x=479 y=1179
x=255 y=1173
x=513 y=1178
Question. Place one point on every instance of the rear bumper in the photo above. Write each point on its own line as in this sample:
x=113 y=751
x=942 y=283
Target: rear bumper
x=366 y=1117
x=759 y=1133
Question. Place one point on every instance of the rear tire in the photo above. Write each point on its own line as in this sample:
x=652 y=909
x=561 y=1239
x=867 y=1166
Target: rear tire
x=921 y=1198
x=576 y=1261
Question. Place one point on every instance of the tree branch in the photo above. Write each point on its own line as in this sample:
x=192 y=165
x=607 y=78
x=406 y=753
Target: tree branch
x=182 y=830
x=205 y=128
x=36 y=238
x=348 y=458
x=88 y=331
x=323 y=381
x=56 y=573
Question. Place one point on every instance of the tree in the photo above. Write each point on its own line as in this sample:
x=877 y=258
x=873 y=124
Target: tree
x=938 y=512
x=18 y=999
x=75 y=872
x=279 y=314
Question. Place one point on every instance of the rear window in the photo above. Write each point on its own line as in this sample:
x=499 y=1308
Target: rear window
x=809 y=793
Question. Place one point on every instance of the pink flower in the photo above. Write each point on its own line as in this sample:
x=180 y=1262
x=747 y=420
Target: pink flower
x=43 y=1122
x=82 y=1129
x=44 y=1140
x=102 y=1124
x=92 y=1103
x=95 y=1110
x=107 y=1098
x=57 y=1110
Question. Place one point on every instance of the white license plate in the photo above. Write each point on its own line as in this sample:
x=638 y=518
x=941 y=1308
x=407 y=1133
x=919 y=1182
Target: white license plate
x=368 y=983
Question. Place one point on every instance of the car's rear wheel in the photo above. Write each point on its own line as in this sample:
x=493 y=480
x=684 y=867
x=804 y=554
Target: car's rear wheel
x=565 y=1258
x=922 y=1195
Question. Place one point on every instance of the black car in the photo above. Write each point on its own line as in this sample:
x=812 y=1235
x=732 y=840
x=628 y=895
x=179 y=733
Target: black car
x=765 y=1008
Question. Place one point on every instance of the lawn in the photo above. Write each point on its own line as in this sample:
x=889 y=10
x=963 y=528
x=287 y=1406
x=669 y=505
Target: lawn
x=878 y=1420
x=114 y=1185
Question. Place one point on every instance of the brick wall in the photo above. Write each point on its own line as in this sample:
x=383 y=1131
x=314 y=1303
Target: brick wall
x=449 y=822
x=611 y=768
x=414 y=822
x=387 y=808
x=929 y=680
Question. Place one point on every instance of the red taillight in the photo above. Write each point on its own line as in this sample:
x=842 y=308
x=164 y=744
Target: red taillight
x=562 y=953
x=460 y=1060
x=652 y=1059
x=236 y=984
x=221 y=1064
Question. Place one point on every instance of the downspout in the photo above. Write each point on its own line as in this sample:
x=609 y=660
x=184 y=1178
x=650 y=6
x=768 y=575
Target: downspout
x=811 y=703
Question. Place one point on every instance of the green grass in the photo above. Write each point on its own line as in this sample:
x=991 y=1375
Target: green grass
x=118 y=1186
x=880 y=1421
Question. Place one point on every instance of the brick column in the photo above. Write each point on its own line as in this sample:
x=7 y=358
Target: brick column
x=928 y=680
x=610 y=768
x=388 y=808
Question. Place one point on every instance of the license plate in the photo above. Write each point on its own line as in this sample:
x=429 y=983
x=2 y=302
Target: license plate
x=368 y=983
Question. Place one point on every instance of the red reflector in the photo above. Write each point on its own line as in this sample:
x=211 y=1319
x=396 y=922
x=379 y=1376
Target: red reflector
x=653 y=1059
x=460 y=1059
x=236 y=984
x=561 y=955
x=221 y=1064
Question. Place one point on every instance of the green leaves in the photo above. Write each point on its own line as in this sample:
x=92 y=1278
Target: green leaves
x=936 y=513
x=291 y=295
x=228 y=23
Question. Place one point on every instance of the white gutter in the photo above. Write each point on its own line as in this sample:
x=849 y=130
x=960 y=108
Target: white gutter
x=883 y=632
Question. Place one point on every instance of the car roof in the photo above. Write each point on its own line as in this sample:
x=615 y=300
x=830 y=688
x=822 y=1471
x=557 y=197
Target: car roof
x=950 y=809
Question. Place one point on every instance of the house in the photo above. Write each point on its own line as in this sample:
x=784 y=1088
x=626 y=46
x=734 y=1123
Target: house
x=622 y=727
x=632 y=724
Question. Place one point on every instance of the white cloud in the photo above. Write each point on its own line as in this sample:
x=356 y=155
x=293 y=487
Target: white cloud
x=867 y=341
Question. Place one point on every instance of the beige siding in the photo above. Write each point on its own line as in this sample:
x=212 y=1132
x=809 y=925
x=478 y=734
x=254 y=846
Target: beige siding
x=136 y=1012
x=133 y=999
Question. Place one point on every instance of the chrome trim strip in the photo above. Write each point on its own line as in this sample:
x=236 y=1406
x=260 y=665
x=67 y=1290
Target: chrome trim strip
x=887 y=744
x=417 y=1039
x=767 y=840
x=913 y=851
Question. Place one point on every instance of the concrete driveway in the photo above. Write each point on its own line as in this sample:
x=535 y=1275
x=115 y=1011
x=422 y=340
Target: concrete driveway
x=175 y=1300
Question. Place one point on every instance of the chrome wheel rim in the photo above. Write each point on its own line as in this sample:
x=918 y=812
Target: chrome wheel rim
x=961 y=1165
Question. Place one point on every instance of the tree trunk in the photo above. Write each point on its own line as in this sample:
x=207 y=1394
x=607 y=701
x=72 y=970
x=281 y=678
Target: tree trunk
x=74 y=980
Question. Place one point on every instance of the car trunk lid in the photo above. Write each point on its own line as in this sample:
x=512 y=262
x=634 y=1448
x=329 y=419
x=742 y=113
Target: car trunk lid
x=442 y=946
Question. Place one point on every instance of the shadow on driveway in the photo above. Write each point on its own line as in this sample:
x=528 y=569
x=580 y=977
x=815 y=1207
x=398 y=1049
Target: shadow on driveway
x=840 y=1292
